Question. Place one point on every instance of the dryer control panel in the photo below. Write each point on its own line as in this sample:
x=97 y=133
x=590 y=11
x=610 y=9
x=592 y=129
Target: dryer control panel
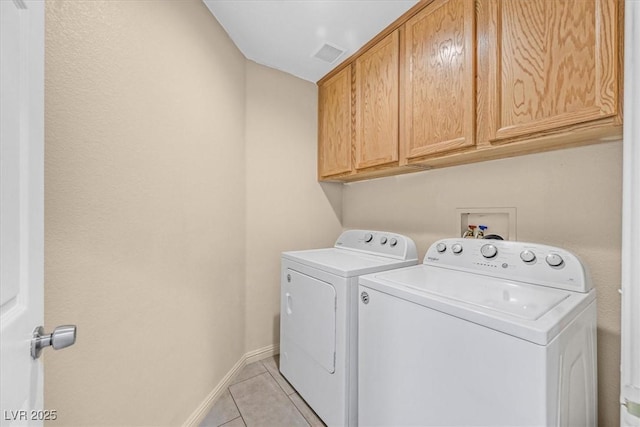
x=378 y=243
x=520 y=261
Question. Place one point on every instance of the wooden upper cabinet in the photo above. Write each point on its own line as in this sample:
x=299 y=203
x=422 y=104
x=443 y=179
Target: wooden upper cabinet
x=551 y=64
x=334 y=127
x=439 y=78
x=459 y=81
x=377 y=85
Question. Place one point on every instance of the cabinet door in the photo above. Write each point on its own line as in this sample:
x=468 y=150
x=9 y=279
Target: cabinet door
x=440 y=78
x=554 y=64
x=334 y=130
x=377 y=85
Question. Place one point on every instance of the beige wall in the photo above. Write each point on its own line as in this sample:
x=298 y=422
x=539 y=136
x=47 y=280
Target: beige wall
x=569 y=198
x=287 y=208
x=144 y=209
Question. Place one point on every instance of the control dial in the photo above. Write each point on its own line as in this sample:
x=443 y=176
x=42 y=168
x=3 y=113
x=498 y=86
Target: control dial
x=441 y=247
x=527 y=256
x=368 y=237
x=456 y=248
x=393 y=242
x=489 y=251
x=383 y=240
x=554 y=260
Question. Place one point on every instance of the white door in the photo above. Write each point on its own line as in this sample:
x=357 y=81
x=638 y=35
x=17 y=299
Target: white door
x=308 y=317
x=21 y=208
x=630 y=354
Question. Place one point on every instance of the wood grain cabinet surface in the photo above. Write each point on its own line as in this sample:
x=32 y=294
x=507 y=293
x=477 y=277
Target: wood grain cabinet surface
x=551 y=65
x=376 y=106
x=334 y=125
x=460 y=81
x=439 y=83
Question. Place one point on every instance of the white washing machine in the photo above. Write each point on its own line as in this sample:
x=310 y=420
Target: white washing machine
x=483 y=333
x=318 y=321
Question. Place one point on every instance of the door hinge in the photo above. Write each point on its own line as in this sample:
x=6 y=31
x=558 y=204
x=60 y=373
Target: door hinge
x=632 y=407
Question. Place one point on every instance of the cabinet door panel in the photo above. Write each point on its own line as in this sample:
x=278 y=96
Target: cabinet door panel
x=440 y=78
x=334 y=130
x=555 y=64
x=377 y=85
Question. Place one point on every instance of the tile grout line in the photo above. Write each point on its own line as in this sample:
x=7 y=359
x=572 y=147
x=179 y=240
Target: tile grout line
x=237 y=407
x=247 y=379
x=279 y=386
x=274 y=378
x=288 y=395
x=298 y=409
x=222 y=425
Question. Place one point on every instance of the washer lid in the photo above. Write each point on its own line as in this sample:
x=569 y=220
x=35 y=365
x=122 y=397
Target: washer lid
x=500 y=295
x=345 y=262
x=531 y=312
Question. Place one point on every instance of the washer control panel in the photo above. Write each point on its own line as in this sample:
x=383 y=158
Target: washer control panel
x=378 y=243
x=524 y=262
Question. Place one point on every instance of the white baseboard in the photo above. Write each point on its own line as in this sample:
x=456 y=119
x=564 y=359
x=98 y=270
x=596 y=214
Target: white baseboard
x=203 y=409
x=262 y=353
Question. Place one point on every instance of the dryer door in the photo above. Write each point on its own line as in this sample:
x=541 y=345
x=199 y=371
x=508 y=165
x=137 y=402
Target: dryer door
x=309 y=317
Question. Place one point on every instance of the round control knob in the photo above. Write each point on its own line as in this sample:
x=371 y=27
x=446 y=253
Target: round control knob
x=456 y=248
x=393 y=242
x=489 y=251
x=383 y=240
x=441 y=247
x=368 y=237
x=527 y=256
x=554 y=260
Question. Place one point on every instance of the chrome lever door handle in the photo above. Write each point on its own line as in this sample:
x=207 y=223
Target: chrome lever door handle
x=62 y=336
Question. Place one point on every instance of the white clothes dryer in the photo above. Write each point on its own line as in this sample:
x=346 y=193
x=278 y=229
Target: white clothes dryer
x=318 y=321
x=483 y=333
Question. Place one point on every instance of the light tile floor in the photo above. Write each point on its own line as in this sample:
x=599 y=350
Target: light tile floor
x=260 y=397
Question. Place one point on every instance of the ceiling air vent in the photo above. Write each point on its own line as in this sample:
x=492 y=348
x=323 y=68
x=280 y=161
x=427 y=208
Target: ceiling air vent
x=329 y=53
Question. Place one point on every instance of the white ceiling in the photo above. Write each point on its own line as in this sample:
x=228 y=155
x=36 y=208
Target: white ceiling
x=285 y=34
